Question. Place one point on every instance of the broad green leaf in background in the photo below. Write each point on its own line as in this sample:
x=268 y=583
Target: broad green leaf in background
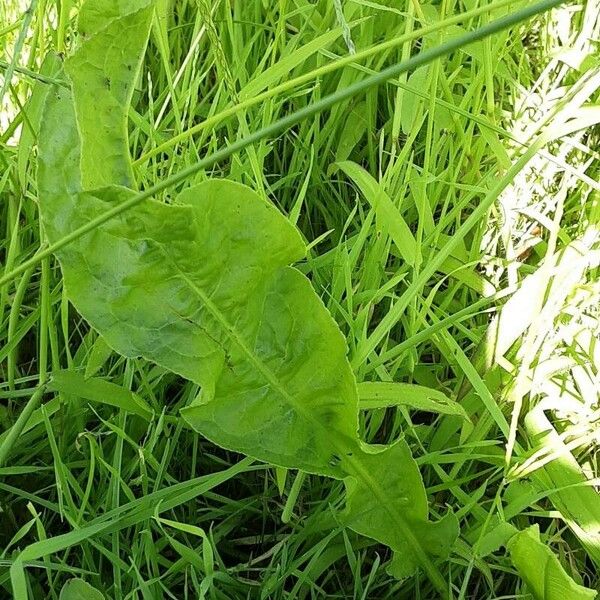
x=541 y=570
x=77 y=589
x=203 y=287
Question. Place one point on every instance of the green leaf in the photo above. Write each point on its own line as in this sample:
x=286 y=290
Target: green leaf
x=98 y=390
x=77 y=589
x=388 y=216
x=541 y=570
x=282 y=68
x=392 y=476
x=495 y=538
x=32 y=115
x=203 y=287
x=99 y=354
x=354 y=130
x=102 y=76
x=235 y=331
x=251 y=331
x=383 y=395
x=412 y=105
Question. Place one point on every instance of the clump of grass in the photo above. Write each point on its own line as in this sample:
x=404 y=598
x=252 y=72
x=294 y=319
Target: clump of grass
x=488 y=156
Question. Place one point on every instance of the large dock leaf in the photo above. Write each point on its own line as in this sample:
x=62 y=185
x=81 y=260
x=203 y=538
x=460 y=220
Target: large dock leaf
x=204 y=288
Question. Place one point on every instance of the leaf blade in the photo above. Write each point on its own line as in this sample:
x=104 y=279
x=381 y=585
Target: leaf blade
x=77 y=589
x=548 y=580
x=383 y=395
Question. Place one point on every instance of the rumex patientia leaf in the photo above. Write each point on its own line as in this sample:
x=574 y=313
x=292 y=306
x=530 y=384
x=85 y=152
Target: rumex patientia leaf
x=204 y=288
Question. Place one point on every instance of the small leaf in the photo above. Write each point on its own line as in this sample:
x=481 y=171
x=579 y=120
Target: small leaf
x=388 y=216
x=374 y=395
x=493 y=540
x=98 y=390
x=353 y=131
x=281 y=474
x=411 y=103
x=436 y=537
x=393 y=472
x=98 y=356
x=77 y=589
x=540 y=569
